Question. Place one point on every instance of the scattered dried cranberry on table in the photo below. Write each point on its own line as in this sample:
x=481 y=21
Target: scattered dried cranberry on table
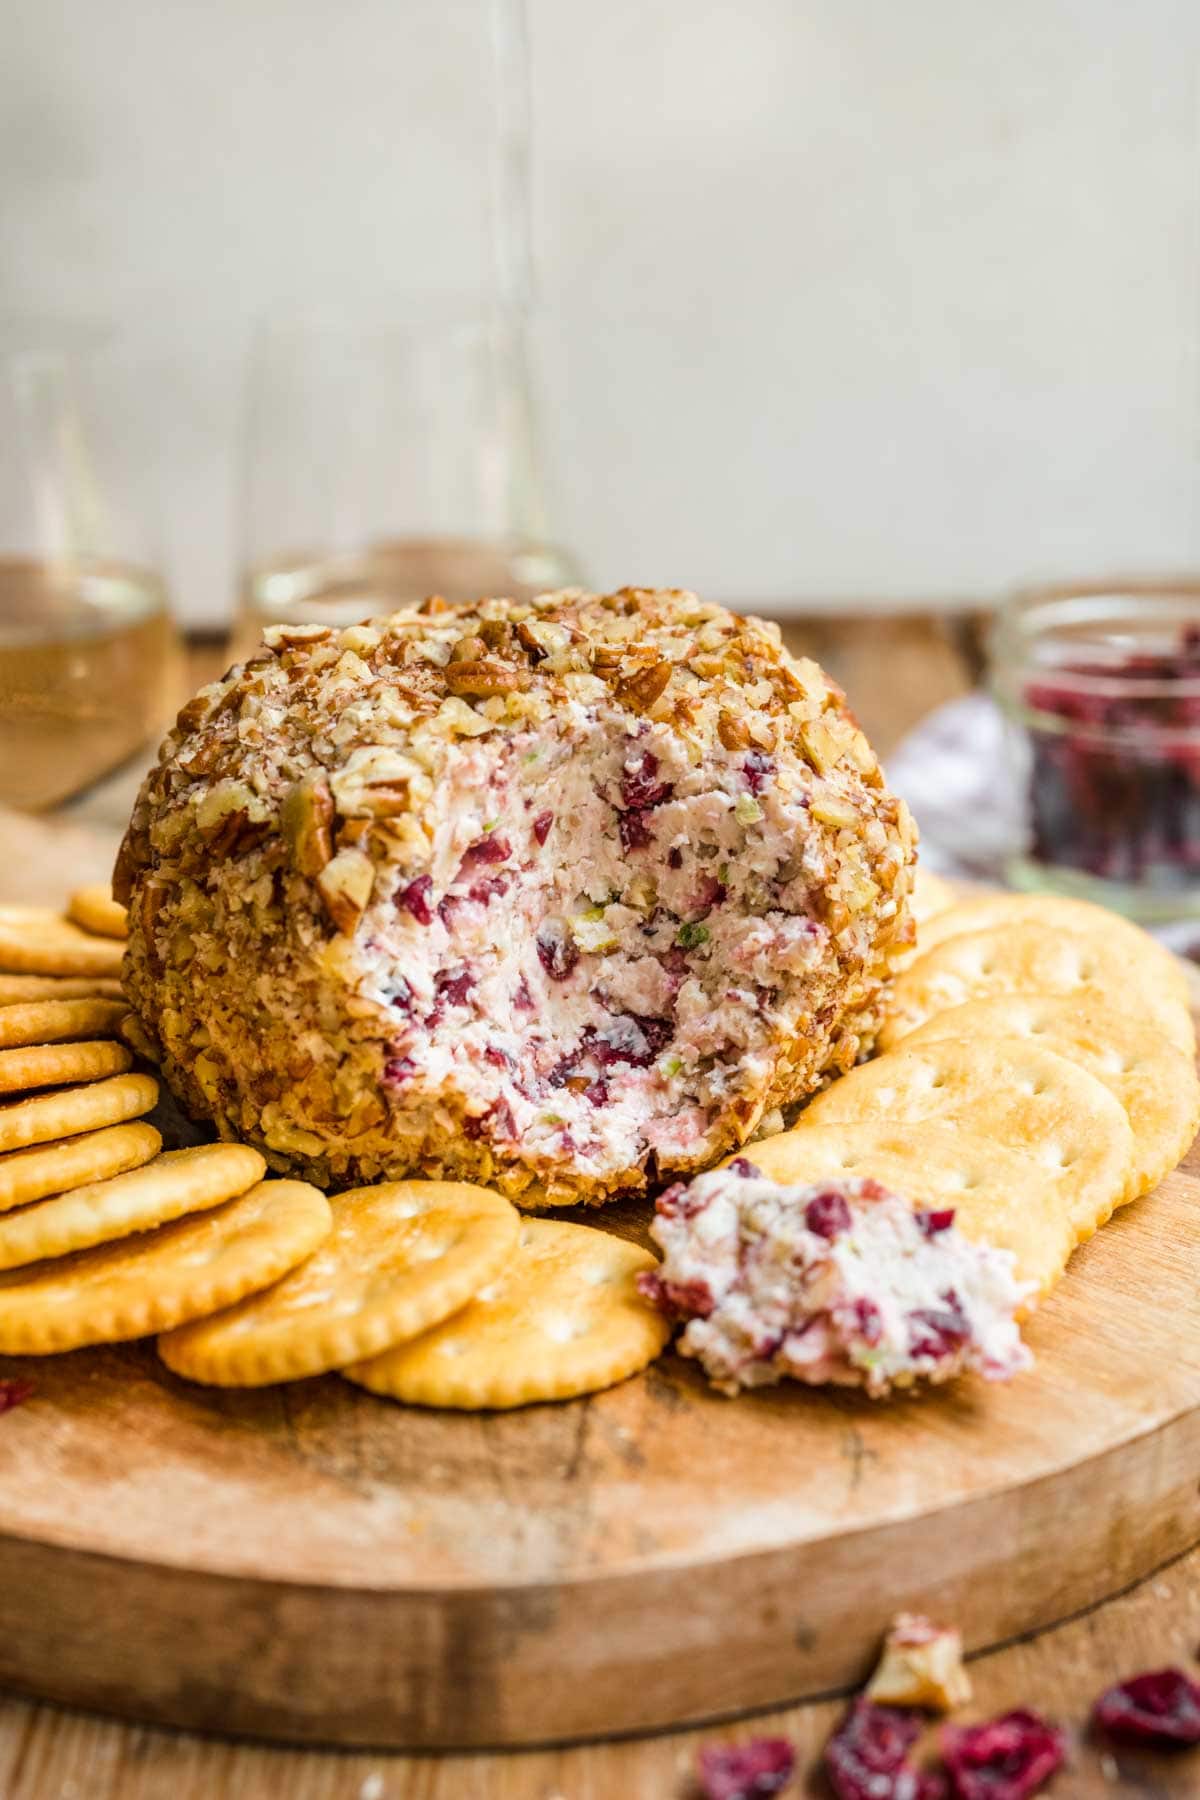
x=1009 y=1758
x=1160 y=1707
x=867 y=1756
x=749 y=1771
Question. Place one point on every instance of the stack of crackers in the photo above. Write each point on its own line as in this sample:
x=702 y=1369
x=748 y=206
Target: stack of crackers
x=437 y=1293
x=1037 y=1071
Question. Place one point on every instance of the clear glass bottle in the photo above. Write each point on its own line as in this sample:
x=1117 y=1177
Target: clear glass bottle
x=90 y=666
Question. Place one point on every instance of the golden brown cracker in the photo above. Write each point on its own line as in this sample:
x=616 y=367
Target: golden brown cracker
x=563 y=1317
x=1155 y=1083
x=96 y=911
x=930 y=896
x=16 y=989
x=1077 y=918
x=176 y=1183
x=34 y=940
x=28 y=1175
x=1035 y=959
x=53 y=1065
x=156 y=1281
x=401 y=1257
x=58 y=1021
x=63 y=1113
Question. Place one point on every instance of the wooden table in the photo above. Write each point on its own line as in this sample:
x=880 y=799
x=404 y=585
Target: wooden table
x=894 y=670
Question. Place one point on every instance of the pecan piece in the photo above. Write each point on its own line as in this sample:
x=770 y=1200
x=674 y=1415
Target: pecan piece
x=732 y=731
x=306 y=818
x=480 y=678
x=345 y=887
x=529 y=642
x=639 y=691
x=193 y=714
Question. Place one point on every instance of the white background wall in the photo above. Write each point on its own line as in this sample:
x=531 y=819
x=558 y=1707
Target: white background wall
x=840 y=298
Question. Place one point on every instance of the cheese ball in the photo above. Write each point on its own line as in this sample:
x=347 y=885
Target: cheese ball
x=563 y=895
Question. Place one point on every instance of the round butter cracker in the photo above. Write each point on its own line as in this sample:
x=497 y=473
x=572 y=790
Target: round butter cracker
x=158 y=1280
x=34 y=940
x=401 y=1256
x=53 y=1065
x=1017 y=1094
x=564 y=1317
x=58 y=1021
x=930 y=896
x=17 y=989
x=179 y=1182
x=1155 y=1083
x=28 y=1175
x=95 y=910
x=1030 y=958
x=64 y=1112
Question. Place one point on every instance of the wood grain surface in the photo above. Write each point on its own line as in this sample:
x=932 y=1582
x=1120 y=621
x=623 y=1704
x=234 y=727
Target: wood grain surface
x=308 y=1562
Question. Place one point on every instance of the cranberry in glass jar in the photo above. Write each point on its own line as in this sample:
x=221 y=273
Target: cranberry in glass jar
x=1100 y=684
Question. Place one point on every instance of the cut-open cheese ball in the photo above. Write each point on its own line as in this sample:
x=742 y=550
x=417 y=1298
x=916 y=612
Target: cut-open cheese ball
x=841 y=1282
x=561 y=896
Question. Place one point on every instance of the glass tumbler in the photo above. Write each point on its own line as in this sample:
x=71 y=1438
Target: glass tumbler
x=385 y=460
x=89 y=659
x=1100 y=685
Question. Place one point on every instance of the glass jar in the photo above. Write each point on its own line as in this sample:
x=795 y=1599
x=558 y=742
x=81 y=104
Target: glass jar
x=1100 y=687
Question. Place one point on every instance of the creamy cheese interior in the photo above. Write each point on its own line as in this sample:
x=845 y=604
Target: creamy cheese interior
x=609 y=943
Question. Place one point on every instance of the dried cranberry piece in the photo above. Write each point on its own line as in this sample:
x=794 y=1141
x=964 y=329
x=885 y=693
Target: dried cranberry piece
x=497 y=1120
x=1007 y=1758
x=867 y=1756
x=632 y=1038
x=14 y=1393
x=1159 y=1707
x=756 y=767
x=709 y=893
x=556 y=950
x=640 y=789
x=499 y=1059
x=743 y=1167
x=827 y=1214
x=415 y=898
x=490 y=888
x=635 y=833
x=747 y=1771
x=453 y=986
x=679 y=1201
x=596 y=1092
x=541 y=826
x=675 y=857
x=402 y=999
x=522 y=998
x=938 y=1331
x=489 y=849
x=678 y=1299
x=398 y=1069
x=868 y=1319
x=933 y=1222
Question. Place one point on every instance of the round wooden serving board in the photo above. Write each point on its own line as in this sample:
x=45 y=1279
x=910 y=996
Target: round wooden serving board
x=310 y=1563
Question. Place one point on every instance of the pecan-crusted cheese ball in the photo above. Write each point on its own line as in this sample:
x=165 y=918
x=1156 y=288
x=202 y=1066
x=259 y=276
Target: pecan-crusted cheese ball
x=563 y=896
